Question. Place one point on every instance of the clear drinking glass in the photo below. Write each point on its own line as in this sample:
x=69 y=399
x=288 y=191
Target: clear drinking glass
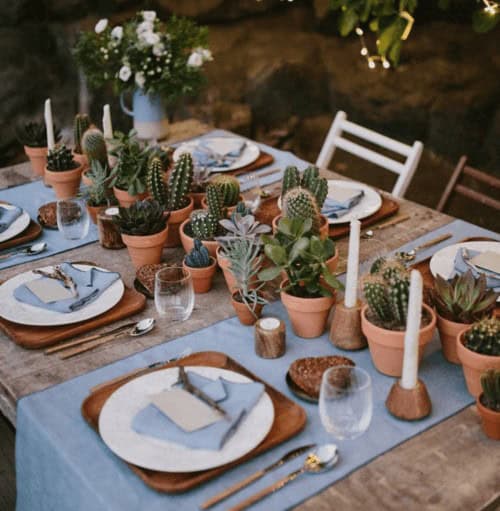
x=345 y=401
x=174 y=293
x=72 y=218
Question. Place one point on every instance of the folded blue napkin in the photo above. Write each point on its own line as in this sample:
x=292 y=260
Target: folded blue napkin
x=90 y=284
x=207 y=156
x=461 y=267
x=237 y=399
x=8 y=216
x=333 y=208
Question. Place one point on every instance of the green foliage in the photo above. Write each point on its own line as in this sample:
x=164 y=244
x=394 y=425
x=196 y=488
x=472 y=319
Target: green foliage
x=143 y=218
x=484 y=337
x=243 y=227
x=463 y=299
x=229 y=187
x=490 y=382
x=180 y=182
x=203 y=225
x=97 y=194
x=81 y=124
x=215 y=201
x=300 y=203
x=199 y=256
x=156 y=184
x=60 y=159
x=34 y=134
x=302 y=255
x=94 y=146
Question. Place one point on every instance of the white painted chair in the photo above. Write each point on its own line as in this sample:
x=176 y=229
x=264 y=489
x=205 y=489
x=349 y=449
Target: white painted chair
x=405 y=170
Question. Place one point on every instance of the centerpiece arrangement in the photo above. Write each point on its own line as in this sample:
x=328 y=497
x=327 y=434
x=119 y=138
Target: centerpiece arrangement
x=202 y=266
x=62 y=172
x=156 y=61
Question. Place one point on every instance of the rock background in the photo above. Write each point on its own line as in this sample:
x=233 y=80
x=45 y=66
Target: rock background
x=280 y=73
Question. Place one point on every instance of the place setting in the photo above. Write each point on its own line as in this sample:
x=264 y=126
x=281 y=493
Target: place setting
x=16 y=228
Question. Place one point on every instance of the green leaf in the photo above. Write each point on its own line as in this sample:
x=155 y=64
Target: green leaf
x=298 y=248
x=391 y=35
x=484 y=22
x=395 y=53
x=330 y=279
x=270 y=273
x=374 y=25
x=347 y=21
x=276 y=254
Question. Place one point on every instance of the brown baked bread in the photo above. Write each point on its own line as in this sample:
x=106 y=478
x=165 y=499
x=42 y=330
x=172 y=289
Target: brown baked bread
x=146 y=275
x=47 y=214
x=306 y=373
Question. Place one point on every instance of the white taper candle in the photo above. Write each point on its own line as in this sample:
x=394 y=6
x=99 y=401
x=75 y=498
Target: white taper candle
x=107 y=127
x=410 y=359
x=49 y=125
x=351 y=283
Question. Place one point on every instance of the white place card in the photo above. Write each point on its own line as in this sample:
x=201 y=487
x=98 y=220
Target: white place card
x=49 y=291
x=488 y=260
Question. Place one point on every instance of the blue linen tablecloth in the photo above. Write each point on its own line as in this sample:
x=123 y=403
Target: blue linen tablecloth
x=62 y=464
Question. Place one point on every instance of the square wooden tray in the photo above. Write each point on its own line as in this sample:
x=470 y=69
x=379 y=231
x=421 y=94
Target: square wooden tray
x=290 y=419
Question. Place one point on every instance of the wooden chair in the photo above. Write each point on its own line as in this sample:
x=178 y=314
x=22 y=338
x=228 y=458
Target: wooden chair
x=454 y=186
x=405 y=170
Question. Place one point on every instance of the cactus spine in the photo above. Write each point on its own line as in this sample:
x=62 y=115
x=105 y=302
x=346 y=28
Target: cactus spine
x=180 y=182
x=291 y=179
x=215 y=202
x=81 y=124
x=490 y=383
x=375 y=294
x=230 y=189
x=484 y=337
x=156 y=185
x=60 y=159
x=199 y=256
x=94 y=146
x=317 y=185
x=300 y=203
x=203 y=224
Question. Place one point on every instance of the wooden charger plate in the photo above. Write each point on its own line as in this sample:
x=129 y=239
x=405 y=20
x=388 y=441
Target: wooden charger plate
x=290 y=419
x=29 y=234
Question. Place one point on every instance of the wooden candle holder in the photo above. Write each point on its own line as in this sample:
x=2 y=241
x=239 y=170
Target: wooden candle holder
x=345 y=330
x=409 y=404
x=270 y=338
x=109 y=233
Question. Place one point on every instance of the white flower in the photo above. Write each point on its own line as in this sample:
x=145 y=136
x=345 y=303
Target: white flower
x=117 y=33
x=124 y=73
x=140 y=79
x=205 y=54
x=145 y=26
x=149 y=15
x=195 y=60
x=158 y=49
x=101 y=26
x=149 y=38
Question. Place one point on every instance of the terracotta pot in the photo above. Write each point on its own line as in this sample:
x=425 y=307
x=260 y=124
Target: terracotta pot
x=323 y=229
x=65 y=183
x=145 y=249
x=87 y=181
x=174 y=222
x=387 y=346
x=245 y=315
x=307 y=315
x=38 y=158
x=474 y=364
x=94 y=211
x=82 y=159
x=490 y=420
x=125 y=199
x=202 y=277
x=188 y=242
x=448 y=333
x=197 y=198
x=229 y=209
x=223 y=263
x=333 y=262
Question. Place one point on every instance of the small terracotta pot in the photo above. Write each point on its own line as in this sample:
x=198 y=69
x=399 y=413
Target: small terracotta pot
x=202 y=277
x=65 y=183
x=490 y=420
x=448 y=333
x=229 y=209
x=387 y=346
x=125 y=199
x=38 y=158
x=323 y=228
x=245 y=315
x=197 y=199
x=81 y=158
x=474 y=364
x=94 y=211
x=307 y=315
x=86 y=180
x=224 y=265
x=188 y=242
x=145 y=249
x=174 y=222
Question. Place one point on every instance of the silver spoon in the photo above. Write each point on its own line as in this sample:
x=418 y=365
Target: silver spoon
x=411 y=254
x=142 y=327
x=323 y=458
x=29 y=250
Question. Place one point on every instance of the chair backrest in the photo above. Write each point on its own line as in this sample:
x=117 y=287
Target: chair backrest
x=454 y=186
x=334 y=139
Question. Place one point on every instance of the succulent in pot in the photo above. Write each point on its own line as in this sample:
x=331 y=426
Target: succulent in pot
x=478 y=348
x=202 y=267
x=488 y=403
x=229 y=189
x=94 y=148
x=97 y=194
x=144 y=230
x=62 y=172
x=383 y=318
x=460 y=302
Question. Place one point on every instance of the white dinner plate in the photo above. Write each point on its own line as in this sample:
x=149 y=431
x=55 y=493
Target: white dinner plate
x=151 y=453
x=26 y=314
x=17 y=226
x=249 y=154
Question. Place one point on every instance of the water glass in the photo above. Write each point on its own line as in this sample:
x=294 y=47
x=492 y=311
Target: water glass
x=345 y=401
x=174 y=293
x=72 y=218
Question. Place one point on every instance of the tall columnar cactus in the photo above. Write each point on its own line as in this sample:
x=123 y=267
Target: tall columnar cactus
x=230 y=188
x=317 y=185
x=399 y=292
x=60 y=159
x=203 y=225
x=291 y=179
x=215 y=201
x=156 y=184
x=199 y=256
x=309 y=177
x=180 y=182
x=81 y=124
x=300 y=203
x=484 y=337
x=375 y=292
x=94 y=146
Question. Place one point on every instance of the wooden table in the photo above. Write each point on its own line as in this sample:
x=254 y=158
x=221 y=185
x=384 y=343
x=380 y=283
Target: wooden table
x=452 y=466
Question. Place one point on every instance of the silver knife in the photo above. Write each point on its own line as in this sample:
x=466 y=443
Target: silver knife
x=289 y=456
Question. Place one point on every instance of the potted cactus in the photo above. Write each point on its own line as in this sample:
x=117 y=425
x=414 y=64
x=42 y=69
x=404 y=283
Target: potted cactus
x=62 y=172
x=175 y=195
x=33 y=136
x=97 y=194
x=199 y=185
x=458 y=303
x=308 y=289
x=383 y=319
x=143 y=226
x=229 y=188
x=488 y=403
x=94 y=149
x=478 y=349
x=81 y=124
x=201 y=265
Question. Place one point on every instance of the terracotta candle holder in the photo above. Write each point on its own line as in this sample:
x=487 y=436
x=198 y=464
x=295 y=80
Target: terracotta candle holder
x=270 y=338
x=409 y=404
x=345 y=330
x=109 y=233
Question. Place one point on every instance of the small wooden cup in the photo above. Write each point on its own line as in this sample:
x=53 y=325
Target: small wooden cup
x=270 y=338
x=345 y=330
x=409 y=404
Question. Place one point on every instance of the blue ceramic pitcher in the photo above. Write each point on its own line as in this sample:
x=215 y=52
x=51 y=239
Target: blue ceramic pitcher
x=148 y=111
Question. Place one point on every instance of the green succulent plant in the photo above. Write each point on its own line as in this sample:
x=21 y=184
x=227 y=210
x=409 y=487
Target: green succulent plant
x=490 y=383
x=34 y=134
x=241 y=209
x=94 y=146
x=143 y=218
x=300 y=203
x=199 y=257
x=179 y=184
x=229 y=187
x=81 y=124
x=97 y=194
x=243 y=227
x=60 y=159
x=484 y=337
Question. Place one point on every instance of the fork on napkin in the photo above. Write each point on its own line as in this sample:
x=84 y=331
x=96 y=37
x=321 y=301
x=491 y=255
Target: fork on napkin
x=207 y=154
x=8 y=216
x=341 y=201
